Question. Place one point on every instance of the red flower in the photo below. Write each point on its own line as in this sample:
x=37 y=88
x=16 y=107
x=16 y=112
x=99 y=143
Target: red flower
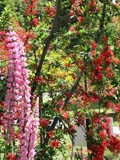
x=81 y=120
x=105 y=39
x=51 y=11
x=104 y=144
x=102 y=134
x=60 y=103
x=68 y=94
x=72 y=129
x=55 y=143
x=11 y=156
x=34 y=22
x=99 y=76
x=114 y=144
x=72 y=1
x=31 y=8
x=98 y=152
x=44 y=122
x=50 y=134
x=98 y=68
x=104 y=125
x=93 y=45
x=39 y=79
x=93 y=3
x=80 y=19
x=96 y=119
x=65 y=115
x=116 y=107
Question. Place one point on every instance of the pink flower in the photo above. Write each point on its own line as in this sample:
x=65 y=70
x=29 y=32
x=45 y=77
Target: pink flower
x=17 y=101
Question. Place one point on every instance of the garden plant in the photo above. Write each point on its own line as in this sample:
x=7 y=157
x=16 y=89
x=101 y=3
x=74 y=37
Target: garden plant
x=59 y=69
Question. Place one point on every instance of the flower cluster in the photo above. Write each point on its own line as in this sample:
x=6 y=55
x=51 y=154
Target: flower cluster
x=31 y=10
x=98 y=133
x=17 y=101
x=98 y=151
x=114 y=144
x=102 y=63
x=17 y=83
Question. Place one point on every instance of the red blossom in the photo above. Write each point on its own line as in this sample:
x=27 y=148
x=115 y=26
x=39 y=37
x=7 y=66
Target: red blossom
x=44 y=122
x=109 y=105
x=65 y=115
x=55 y=143
x=104 y=125
x=93 y=98
x=11 y=156
x=60 y=103
x=98 y=68
x=72 y=129
x=105 y=39
x=31 y=8
x=68 y=94
x=39 y=79
x=93 y=45
x=114 y=144
x=93 y=3
x=34 y=22
x=97 y=151
x=116 y=107
x=51 y=11
x=98 y=76
x=96 y=119
x=72 y=1
x=50 y=134
x=81 y=120
x=80 y=19
x=102 y=134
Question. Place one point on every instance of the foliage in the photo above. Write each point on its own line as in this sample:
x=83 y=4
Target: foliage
x=72 y=49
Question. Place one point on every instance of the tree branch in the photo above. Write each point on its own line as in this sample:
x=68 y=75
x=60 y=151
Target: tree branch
x=74 y=87
x=76 y=84
x=47 y=43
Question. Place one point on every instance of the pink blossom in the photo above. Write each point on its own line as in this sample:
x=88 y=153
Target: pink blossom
x=17 y=100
